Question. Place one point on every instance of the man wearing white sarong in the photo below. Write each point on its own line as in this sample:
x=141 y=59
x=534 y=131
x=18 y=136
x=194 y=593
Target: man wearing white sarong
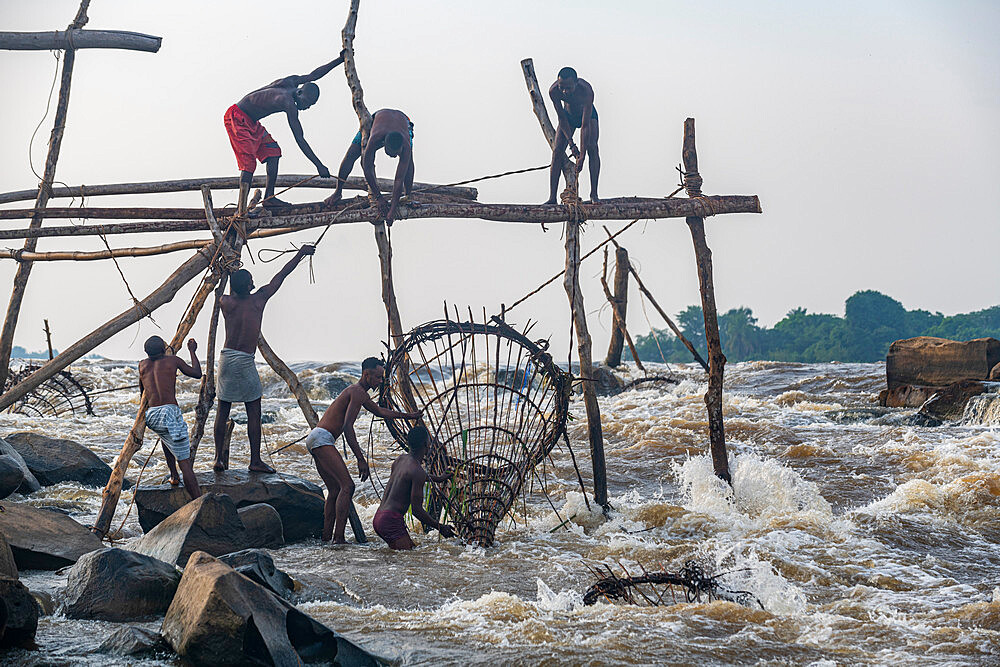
x=238 y=381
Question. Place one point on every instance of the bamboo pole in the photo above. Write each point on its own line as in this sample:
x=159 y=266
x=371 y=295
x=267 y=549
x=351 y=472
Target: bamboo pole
x=312 y=419
x=41 y=198
x=716 y=359
x=71 y=40
x=618 y=314
x=571 y=283
x=619 y=304
x=663 y=314
x=609 y=209
x=225 y=183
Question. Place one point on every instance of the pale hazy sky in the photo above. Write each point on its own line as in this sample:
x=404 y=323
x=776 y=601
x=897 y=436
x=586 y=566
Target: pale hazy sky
x=868 y=129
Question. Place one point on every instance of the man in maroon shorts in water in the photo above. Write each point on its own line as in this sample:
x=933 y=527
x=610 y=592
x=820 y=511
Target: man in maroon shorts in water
x=404 y=490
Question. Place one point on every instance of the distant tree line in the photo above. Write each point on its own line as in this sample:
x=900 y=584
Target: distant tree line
x=18 y=352
x=871 y=322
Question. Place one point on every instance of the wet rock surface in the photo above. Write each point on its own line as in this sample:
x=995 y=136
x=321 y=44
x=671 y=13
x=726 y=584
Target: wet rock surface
x=44 y=540
x=8 y=568
x=133 y=641
x=258 y=565
x=220 y=617
x=29 y=484
x=119 y=585
x=18 y=615
x=298 y=502
x=11 y=475
x=949 y=403
x=55 y=460
x=939 y=362
x=210 y=523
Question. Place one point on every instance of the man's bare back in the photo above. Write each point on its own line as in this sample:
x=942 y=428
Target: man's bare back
x=158 y=377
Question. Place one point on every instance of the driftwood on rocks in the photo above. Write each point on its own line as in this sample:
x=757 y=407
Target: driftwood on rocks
x=224 y=183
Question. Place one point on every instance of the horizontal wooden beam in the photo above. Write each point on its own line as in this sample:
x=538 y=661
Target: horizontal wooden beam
x=114 y=213
x=223 y=183
x=79 y=39
x=609 y=209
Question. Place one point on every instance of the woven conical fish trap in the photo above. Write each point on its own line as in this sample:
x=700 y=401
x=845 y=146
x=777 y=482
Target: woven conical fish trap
x=495 y=405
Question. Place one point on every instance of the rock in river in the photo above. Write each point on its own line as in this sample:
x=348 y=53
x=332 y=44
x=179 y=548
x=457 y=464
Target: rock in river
x=259 y=566
x=8 y=568
x=219 y=617
x=18 y=615
x=11 y=475
x=30 y=484
x=54 y=460
x=938 y=362
x=132 y=641
x=210 y=523
x=119 y=585
x=299 y=503
x=44 y=540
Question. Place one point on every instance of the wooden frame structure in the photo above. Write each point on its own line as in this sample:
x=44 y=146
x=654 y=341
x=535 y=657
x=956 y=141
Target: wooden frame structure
x=216 y=256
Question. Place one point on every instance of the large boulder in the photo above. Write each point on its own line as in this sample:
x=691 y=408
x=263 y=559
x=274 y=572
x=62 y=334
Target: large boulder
x=939 y=362
x=30 y=484
x=298 y=502
x=905 y=396
x=118 y=585
x=210 y=523
x=55 y=460
x=8 y=568
x=11 y=475
x=42 y=539
x=220 y=617
x=949 y=403
x=259 y=566
x=18 y=615
x=263 y=526
x=133 y=641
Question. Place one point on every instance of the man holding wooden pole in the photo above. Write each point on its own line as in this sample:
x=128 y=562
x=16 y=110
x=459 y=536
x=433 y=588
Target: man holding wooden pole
x=251 y=142
x=238 y=381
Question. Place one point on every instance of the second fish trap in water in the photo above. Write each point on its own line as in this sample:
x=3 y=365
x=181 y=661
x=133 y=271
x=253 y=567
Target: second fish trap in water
x=495 y=405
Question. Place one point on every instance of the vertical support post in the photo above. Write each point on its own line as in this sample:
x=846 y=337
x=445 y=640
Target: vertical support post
x=706 y=285
x=571 y=283
x=312 y=419
x=48 y=338
x=620 y=303
x=41 y=200
x=619 y=316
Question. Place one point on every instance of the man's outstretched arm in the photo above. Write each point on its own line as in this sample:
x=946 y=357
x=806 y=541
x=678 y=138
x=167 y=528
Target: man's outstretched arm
x=317 y=73
x=296 y=127
x=194 y=370
x=268 y=290
x=385 y=413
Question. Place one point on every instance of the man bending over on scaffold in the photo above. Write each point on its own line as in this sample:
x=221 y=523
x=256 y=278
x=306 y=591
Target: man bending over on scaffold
x=392 y=130
x=574 y=101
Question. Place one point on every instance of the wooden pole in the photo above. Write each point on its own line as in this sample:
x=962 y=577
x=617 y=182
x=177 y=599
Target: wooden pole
x=48 y=338
x=206 y=390
x=41 y=198
x=312 y=419
x=619 y=316
x=230 y=246
x=619 y=305
x=615 y=209
x=79 y=39
x=663 y=314
x=225 y=183
x=716 y=359
x=571 y=283
x=159 y=296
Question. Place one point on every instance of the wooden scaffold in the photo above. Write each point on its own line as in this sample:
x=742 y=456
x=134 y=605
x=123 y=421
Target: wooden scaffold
x=219 y=254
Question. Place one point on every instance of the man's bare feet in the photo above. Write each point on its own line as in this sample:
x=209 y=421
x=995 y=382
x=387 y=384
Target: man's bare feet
x=220 y=466
x=338 y=541
x=549 y=202
x=260 y=466
x=594 y=199
x=174 y=480
x=333 y=199
x=275 y=203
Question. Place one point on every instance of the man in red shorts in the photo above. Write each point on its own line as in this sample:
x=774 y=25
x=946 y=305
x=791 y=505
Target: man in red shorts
x=405 y=490
x=251 y=142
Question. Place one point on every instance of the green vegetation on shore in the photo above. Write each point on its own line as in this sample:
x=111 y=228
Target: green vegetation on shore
x=871 y=322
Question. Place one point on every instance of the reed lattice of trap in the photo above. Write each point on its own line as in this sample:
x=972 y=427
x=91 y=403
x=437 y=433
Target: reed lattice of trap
x=495 y=404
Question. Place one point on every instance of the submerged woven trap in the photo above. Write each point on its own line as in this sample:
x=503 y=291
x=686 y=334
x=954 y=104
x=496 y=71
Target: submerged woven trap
x=495 y=405
x=59 y=395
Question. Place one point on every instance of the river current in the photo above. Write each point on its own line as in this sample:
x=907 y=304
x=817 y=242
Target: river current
x=868 y=539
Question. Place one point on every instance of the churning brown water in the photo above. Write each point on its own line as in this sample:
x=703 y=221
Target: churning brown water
x=869 y=540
